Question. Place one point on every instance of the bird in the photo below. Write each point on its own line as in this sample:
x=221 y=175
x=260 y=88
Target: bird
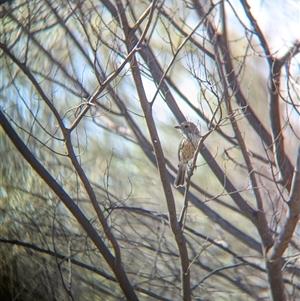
x=186 y=150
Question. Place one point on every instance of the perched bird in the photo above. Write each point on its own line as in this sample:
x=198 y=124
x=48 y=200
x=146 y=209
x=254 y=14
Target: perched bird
x=186 y=150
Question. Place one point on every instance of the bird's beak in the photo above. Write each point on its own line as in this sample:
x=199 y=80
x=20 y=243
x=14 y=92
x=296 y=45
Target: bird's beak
x=177 y=127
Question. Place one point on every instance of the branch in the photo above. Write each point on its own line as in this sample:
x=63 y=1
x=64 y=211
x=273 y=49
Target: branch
x=65 y=198
x=292 y=219
x=35 y=84
x=179 y=237
x=283 y=163
x=260 y=220
x=231 y=266
x=102 y=86
x=257 y=31
x=187 y=38
x=56 y=188
x=131 y=53
x=77 y=263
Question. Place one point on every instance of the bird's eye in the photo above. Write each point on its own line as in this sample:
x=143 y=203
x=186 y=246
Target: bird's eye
x=186 y=126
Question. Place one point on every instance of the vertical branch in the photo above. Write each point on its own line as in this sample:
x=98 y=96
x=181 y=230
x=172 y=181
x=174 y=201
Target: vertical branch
x=284 y=165
x=146 y=107
x=224 y=56
x=273 y=267
x=292 y=218
x=177 y=231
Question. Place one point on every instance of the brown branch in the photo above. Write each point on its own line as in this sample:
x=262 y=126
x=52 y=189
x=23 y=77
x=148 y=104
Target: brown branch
x=47 y=53
x=222 y=57
x=77 y=263
x=57 y=189
x=232 y=81
x=283 y=163
x=185 y=34
x=180 y=240
x=101 y=88
x=179 y=237
x=26 y=71
x=157 y=73
x=64 y=197
x=259 y=219
x=124 y=282
x=104 y=84
x=292 y=218
x=257 y=31
x=186 y=39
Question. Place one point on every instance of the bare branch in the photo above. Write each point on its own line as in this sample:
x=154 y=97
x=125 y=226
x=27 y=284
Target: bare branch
x=292 y=218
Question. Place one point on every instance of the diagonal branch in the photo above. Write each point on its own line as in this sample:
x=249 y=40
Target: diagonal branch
x=104 y=84
x=69 y=203
x=26 y=71
x=292 y=218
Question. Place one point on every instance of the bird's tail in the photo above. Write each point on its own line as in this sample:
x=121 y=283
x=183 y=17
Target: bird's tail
x=179 y=181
